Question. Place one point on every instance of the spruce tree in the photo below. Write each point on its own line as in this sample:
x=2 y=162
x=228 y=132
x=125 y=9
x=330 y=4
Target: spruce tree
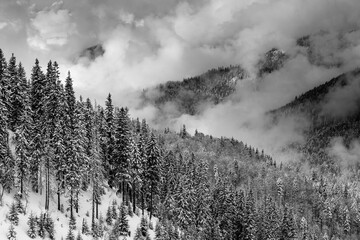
x=32 y=226
x=287 y=228
x=78 y=237
x=121 y=226
x=152 y=168
x=4 y=83
x=123 y=150
x=14 y=91
x=37 y=99
x=6 y=170
x=13 y=215
x=73 y=148
x=23 y=144
x=11 y=235
x=70 y=235
x=72 y=222
x=85 y=228
x=41 y=225
x=49 y=226
x=108 y=216
x=109 y=140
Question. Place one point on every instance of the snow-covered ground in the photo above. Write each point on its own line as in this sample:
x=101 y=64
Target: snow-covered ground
x=36 y=205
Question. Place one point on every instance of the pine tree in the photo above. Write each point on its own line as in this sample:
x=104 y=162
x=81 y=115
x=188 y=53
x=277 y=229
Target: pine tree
x=13 y=215
x=32 y=226
x=108 y=216
x=123 y=150
x=136 y=171
x=11 y=235
x=73 y=148
x=7 y=164
x=121 y=226
x=96 y=169
x=109 y=140
x=49 y=226
x=70 y=235
x=18 y=204
x=78 y=237
x=14 y=109
x=304 y=229
x=144 y=227
x=152 y=168
x=41 y=225
x=4 y=83
x=23 y=136
x=346 y=221
x=72 y=223
x=37 y=100
x=85 y=227
x=19 y=98
x=287 y=228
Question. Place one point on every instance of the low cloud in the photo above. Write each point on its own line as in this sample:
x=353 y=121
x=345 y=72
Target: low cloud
x=343 y=101
x=347 y=156
x=51 y=27
x=147 y=43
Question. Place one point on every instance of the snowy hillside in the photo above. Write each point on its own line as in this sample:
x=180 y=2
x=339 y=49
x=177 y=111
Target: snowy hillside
x=35 y=205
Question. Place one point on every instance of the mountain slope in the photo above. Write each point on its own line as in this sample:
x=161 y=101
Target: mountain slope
x=333 y=112
x=190 y=94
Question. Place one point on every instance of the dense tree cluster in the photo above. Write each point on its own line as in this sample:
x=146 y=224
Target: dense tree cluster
x=199 y=187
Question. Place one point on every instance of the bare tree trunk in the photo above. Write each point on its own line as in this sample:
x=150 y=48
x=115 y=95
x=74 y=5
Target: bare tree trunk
x=142 y=203
x=97 y=209
x=134 y=197
x=71 y=205
x=151 y=202
x=59 y=199
x=93 y=211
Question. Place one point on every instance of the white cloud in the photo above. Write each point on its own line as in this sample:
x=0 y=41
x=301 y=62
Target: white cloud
x=51 y=28
x=3 y=25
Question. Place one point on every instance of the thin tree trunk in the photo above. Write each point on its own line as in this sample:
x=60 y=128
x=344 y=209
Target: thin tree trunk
x=21 y=185
x=97 y=209
x=71 y=204
x=93 y=211
x=151 y=202
x=123 y=190
x=46 y=190
x=142 y=203
x=134 y=197
x=77 y=202
x=39 y=181
x=59 y=199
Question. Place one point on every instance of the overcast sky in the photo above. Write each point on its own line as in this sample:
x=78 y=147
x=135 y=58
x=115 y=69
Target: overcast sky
x=150 y=42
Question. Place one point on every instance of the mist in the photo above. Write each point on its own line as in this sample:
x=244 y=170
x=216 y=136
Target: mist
x=148 y=44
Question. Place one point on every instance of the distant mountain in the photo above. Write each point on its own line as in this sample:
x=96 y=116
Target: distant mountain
x=325 y=125
x=93 y=52
x=322 y=48
x=190 y=94
x=273 y=60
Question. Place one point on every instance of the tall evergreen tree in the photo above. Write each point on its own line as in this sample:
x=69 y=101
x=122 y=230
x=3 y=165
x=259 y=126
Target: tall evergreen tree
x=38 y=84
x=152 y=168
x=109 y=140
x=23 y=132
x=123 y=150
x=6 y=163
x=73 y=177
x=4 y=82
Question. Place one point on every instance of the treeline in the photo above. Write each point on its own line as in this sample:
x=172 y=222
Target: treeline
x=71 y=142
x=198 y=186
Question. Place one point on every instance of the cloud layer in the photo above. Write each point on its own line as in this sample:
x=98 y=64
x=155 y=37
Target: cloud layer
x=147 y=43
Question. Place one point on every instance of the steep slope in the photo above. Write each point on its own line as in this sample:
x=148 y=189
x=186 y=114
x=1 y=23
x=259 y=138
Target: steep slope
x=332 y=110
x=190 y=94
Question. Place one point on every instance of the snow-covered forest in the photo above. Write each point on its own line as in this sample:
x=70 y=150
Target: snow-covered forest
x=76 y=169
